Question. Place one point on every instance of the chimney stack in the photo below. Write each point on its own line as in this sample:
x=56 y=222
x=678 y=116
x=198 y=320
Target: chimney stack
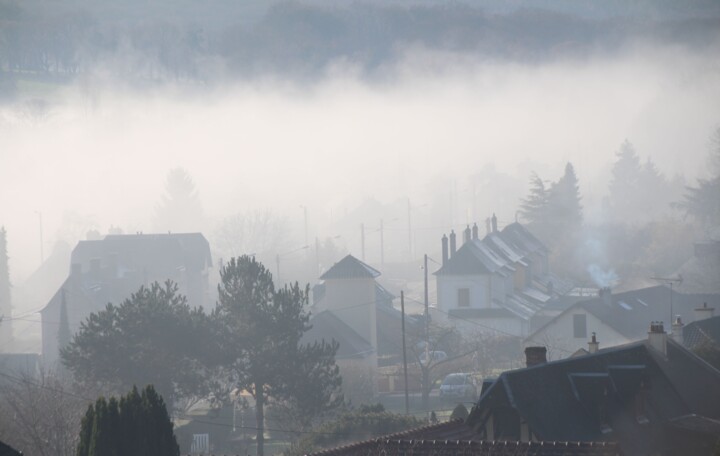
x=657 y=338
x=677 y=330
x=701 y=313
x=453 y=246
x=488 y=226
x=593 y=345
x=466 y=234
x=535 y=356
x=444 y=249
x=494 y=223
x=475 y=231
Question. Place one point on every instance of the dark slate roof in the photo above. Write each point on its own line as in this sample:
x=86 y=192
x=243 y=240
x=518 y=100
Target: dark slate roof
x=326 y=326
x=474 y=257
x=629 y=313
x=502 y=248
x=149 y=250
x=702 y=332
x=7 y=450
x=559 y=400
x=519 y=237
x=350 y=268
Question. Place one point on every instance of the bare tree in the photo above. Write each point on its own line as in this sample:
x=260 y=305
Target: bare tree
x=260 y=233
x=40 y=413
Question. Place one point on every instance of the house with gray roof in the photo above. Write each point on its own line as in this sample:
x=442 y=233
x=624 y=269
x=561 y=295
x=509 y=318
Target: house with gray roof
x=495 y=284
x=109 y=270
x=652 y=397
x=618 y=318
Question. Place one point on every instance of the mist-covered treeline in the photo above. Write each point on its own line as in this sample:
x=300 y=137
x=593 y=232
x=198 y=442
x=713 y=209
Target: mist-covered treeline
x=210 y=41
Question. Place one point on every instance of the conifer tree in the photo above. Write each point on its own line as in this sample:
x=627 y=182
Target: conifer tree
x=564 y=206
x=534 y=207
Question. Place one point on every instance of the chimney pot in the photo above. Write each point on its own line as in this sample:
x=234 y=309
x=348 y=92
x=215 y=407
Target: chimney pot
x=535 y=356
x=677 y=330
x=444 y=242
x=701 y=313
x=466 y=235
x=593 y=345
x=657 y=338
x=475 y=231
x=494 y=223
x=453 y=246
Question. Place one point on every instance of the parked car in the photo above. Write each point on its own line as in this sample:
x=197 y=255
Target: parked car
x=459 y=386
x=432 y=356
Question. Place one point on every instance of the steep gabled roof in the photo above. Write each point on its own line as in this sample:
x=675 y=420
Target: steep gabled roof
x=474 y=257
x=702 y=332
x=519 y=237
x=560 y=400
x=327 y=326
x=629 y=312
x=350 y=268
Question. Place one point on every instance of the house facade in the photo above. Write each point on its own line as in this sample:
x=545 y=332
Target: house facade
x=617 y=318
x=495 y=284
x=109 y=270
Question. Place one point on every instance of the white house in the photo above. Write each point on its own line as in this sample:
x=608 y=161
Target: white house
x=617 y=319
x=495 y=284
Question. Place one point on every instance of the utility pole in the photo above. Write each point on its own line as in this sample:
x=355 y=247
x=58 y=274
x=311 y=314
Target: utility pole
x=362 y=240
x=402 y=310
x=317 y=255
x=427 y=305
x=382 y=243
x=410 y=255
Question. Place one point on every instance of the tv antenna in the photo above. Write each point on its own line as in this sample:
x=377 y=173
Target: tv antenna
x=671 y=281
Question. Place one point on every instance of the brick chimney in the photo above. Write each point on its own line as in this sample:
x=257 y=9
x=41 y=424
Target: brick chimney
x=701 y=313
x=466 y=234
x=475 y=231
x=657 y=338
x=593 y=345
x=535 y=356
x=677 y=330
x=444 y=249
x=494 y=223
x=453 y=245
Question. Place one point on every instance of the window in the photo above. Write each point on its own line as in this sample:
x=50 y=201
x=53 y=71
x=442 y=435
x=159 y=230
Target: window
x=464 y=297
x=580 y=326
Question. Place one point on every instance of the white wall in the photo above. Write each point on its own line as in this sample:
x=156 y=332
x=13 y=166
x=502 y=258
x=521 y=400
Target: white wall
x=558 y=335
x=448 y=286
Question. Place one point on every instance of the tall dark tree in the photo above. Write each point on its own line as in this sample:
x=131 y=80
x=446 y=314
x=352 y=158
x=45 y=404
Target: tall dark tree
x=564 y=206
x=625 y=183
x=154 y=337
x=137 y=425
x=702 y=201
x=5 y=303
x=260 y=328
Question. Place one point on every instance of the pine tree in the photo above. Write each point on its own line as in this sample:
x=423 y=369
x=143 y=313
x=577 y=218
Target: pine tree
x=261 y=329
x=86 y=432
x=564 y=208
x=180 y=209
x=534 y=208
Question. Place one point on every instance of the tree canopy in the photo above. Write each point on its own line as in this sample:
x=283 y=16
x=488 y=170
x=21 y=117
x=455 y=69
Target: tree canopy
x=154 y=337
x=137 y=424
x=261 y=328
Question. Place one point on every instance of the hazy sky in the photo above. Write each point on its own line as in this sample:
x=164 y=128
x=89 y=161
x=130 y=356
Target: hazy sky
x=102 y=150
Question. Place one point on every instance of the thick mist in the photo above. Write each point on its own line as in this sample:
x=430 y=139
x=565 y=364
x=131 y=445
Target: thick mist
x=97 y=154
